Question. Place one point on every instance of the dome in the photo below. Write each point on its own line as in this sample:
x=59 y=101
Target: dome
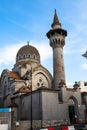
x=27 y=53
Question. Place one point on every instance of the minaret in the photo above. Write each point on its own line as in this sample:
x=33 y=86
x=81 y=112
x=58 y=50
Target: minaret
x=56 y=37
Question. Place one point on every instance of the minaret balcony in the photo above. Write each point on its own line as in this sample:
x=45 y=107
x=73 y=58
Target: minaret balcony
x=59 y=31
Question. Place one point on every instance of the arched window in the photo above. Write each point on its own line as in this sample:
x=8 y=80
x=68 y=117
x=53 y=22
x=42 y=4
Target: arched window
x=34 y=56
x=19 y=57
x=61 y=56
x=38 y=58
x=62 y=41
x=56 y=40
x=29 y=56
x=5 y=89
x=24 y=56
x=59 y=40
x=62 y=68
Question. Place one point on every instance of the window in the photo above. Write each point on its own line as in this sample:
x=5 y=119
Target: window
x=83 y=98
x=85 y=83
x=24 y=56
x=5 y=90
x=38 y=58
x=29 y=56
x=40 y=82
x=61 y=56
x=58 y=40
x=19 y=57
x=62 y=68
x=34 y=56
x=62 y=41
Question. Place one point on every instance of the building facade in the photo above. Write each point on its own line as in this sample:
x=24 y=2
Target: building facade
x=33 y=93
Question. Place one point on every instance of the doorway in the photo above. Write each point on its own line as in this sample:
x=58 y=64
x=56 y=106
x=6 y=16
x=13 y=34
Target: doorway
x=71 y=109
x=85 y=113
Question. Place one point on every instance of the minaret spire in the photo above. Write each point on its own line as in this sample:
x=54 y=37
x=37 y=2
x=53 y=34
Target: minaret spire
x=56 y=23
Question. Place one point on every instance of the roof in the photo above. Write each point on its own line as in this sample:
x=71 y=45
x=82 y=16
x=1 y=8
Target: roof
x=23 y=89
x=28 y=49
x=58 y=30
x=14 y=75
x=56 y=20
x=56 y=27
x=45 y=88
x=27 y=53
x=11 y=74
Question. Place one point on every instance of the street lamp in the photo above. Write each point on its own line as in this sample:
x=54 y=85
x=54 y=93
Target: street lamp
x=29 y=77
x=30 y=72
x=85 y=55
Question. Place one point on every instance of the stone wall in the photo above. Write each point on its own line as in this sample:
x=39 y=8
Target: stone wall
x=38 y=124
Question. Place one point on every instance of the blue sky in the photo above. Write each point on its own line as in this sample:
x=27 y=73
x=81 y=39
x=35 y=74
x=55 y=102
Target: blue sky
x=30 y=20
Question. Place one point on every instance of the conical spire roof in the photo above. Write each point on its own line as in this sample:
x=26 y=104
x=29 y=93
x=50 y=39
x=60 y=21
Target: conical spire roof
x=56 y=27
x=56 y=20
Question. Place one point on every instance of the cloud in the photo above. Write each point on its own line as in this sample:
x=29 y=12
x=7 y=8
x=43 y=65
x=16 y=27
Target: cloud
x=45 y=50
x=77 y=26
x=8 y=53
x=84 y=66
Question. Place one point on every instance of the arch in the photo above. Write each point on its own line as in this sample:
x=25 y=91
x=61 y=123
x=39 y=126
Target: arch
x=29 y=55
x=61 y=56
x=24 y=56
x=34 y=56
x=59 y=40
x=40 y=82
x=19 y=57
x=73 y=109
x=38 y=58
x=63 y=41
x=56 y=40
x=41 y=79
x=4 y=83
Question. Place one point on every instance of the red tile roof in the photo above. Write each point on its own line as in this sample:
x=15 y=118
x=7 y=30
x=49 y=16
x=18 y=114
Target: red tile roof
x=14 y=75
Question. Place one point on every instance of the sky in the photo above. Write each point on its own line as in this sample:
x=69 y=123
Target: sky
x=30 y=20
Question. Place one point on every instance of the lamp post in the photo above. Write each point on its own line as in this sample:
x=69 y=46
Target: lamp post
x=85 y=55
x=31 y=94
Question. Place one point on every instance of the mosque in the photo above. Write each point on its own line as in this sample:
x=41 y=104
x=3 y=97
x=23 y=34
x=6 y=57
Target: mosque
x=33 y=93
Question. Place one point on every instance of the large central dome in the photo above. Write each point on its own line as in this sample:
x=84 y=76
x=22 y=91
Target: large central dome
x=27 y=53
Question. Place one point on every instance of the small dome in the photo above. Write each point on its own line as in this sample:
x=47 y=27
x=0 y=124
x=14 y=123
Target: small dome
x=28 y=52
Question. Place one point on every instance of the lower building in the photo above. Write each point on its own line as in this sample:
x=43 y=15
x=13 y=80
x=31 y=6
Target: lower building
x=83 y=86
